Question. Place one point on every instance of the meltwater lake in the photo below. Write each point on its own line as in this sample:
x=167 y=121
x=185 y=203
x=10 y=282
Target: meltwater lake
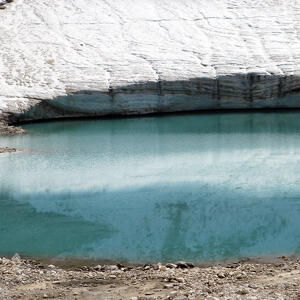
x=180 y=187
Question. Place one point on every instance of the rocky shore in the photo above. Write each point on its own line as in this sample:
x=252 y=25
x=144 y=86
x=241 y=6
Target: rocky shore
x=6 y=129
x=278 y=278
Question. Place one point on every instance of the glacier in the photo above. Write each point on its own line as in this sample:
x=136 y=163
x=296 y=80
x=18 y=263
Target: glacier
x=124 y=57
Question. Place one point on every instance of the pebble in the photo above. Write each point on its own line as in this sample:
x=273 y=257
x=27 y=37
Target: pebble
x=184 y=265
x=51 y=267
x=16 y=258
x=171 y=266
x=98 y=268
x=111 y=268
x=221 y=275
x=168 y=285
x=243 y=292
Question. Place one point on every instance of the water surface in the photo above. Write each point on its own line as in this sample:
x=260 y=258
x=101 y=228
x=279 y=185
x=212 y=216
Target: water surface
x=188 y=187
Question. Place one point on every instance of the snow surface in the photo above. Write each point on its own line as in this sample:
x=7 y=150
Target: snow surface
x=77 y=57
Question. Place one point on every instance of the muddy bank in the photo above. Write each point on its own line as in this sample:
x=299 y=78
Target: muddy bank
x=30 y=279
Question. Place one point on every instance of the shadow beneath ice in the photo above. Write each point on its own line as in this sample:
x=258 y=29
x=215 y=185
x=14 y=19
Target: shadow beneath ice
x=234 y=92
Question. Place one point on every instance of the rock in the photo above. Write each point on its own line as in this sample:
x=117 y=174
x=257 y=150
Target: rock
x=120 y=266
x=180 y=279
x=173 y=293
x=7 y=149
x=51 y=267
x=184 y=265
x=16 y=258
x=171 y=266
x=155 y=266
x=98 y=268
x=111 y=268
x=221 y=275
x=242 y=292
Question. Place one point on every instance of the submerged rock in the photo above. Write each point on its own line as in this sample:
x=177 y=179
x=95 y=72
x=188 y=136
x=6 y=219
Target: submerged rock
x=7 y=150
x=67 y=59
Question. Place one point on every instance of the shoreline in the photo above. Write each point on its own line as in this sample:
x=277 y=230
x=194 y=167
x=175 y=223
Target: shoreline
x=78 y=262
x=243 y=279
x=14 y=127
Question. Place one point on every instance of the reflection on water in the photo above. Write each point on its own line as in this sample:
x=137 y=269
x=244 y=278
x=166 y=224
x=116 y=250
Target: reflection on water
x=190 y=187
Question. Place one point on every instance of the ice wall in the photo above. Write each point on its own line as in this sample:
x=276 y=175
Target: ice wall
x=80 y=58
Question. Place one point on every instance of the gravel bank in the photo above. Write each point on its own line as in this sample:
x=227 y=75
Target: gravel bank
x=253 y=279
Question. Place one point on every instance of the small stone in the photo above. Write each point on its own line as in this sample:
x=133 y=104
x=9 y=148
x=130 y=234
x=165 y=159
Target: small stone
x=184 y=265
x=98 y=268
x=134 y=298
x=45 y=296
x=111 y=268
x=51 y=267
x=146 y=267
x=16 y=258
x=112 y=276
x=155 y=266
x=221 y=275
x=168 y=285
x=180 y=279
x=171 y=266
x=242 y=292
x=180 y=298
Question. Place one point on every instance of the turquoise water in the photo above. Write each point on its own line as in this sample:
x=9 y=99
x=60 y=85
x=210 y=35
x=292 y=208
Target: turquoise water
x=185 y=187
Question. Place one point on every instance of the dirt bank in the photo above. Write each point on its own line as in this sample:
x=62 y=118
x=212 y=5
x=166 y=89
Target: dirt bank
x=28 y=279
